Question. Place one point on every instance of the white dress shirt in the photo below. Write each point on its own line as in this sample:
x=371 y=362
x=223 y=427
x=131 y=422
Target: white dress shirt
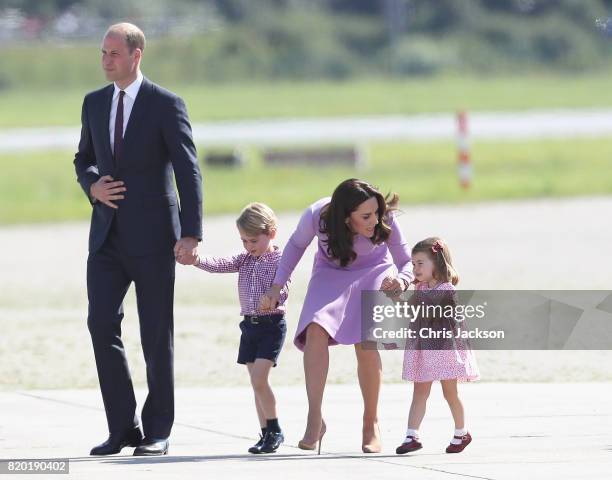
x=131 y=91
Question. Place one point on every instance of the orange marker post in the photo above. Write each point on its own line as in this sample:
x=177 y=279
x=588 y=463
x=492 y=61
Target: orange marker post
x=463 y=147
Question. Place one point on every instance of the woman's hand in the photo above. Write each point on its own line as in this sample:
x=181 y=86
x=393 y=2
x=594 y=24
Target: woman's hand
x=393 y=285
x=269 y=300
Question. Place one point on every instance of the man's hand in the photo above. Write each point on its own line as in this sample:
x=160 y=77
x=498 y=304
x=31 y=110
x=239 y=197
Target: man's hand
x=186 y=250
x=269 y=301
x=106 y=189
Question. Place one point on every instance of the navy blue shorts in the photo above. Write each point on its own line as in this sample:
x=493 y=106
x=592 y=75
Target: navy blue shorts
x=262 y=340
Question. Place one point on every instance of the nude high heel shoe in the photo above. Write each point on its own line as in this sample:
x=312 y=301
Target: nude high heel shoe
x=372 y=444
x=312 y=446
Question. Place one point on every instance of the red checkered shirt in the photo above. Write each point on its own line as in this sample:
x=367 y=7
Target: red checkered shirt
x=255 y=276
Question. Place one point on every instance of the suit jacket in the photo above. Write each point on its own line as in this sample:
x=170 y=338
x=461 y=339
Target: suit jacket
x=157 y=142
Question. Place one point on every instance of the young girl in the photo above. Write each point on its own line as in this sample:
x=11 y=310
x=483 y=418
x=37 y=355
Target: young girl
x=435 y=277
x=263 y=334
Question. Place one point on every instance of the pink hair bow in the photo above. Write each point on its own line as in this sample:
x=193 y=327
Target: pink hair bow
x=437 y=246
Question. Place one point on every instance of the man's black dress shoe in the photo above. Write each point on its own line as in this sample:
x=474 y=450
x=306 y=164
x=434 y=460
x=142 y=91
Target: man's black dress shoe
x=115 y=443
x=257 y=447
x=152 y=446
x=271 y=442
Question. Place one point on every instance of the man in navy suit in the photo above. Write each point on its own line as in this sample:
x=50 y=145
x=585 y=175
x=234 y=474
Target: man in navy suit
x=135 y=141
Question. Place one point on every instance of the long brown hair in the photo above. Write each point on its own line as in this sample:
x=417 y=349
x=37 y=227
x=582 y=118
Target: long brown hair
x=346 y=199
x=437 y=250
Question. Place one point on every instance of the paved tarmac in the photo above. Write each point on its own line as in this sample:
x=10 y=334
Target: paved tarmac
x=527 y=431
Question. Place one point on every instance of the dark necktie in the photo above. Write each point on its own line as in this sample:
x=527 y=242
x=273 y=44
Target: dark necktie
x=119 y=129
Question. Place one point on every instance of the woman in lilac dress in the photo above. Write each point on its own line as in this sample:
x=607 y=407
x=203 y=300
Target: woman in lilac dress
x=359 y=243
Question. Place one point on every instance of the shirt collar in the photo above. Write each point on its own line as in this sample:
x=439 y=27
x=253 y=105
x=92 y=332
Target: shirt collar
x=132 y=89
x=274 y=253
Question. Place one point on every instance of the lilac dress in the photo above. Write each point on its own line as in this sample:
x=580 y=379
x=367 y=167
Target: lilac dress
x=333 y=299
x=458 y=363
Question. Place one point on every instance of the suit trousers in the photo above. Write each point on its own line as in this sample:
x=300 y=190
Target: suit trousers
x=110 y=272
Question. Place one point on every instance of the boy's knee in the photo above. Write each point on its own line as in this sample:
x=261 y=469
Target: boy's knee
x=259 y=383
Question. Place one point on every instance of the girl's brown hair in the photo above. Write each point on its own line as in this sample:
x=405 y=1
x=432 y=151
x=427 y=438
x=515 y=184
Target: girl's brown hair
x=346 y=199
x=437 y=250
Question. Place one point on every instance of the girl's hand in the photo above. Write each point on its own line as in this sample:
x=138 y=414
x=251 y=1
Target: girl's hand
x=269 y=301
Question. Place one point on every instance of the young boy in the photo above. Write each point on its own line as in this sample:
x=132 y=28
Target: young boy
x=263 y=334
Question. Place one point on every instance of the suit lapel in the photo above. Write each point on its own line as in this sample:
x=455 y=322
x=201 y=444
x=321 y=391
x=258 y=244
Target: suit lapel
x=138 y=113
x=108 y=101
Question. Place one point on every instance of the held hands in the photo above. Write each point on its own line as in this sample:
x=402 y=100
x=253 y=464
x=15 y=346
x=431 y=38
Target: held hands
x=186 y=251
x=106 y=189
x=393 y=286
x=269 y=301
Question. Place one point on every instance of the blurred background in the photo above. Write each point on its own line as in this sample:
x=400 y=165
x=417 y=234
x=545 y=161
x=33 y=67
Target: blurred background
x=238 y=60
x=287 y=98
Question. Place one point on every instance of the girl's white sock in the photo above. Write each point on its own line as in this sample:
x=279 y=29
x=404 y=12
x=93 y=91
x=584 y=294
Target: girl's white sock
x=412 y=433
x=459 y=432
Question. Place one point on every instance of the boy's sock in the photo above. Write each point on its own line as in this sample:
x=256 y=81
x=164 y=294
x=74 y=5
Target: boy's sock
x=272 y=425
x=263 y=431
x=412 y=433
x=459 y=432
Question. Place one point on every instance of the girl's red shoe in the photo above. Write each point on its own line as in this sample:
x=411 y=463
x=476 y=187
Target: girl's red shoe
x=410 y=446
x=456 y=448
